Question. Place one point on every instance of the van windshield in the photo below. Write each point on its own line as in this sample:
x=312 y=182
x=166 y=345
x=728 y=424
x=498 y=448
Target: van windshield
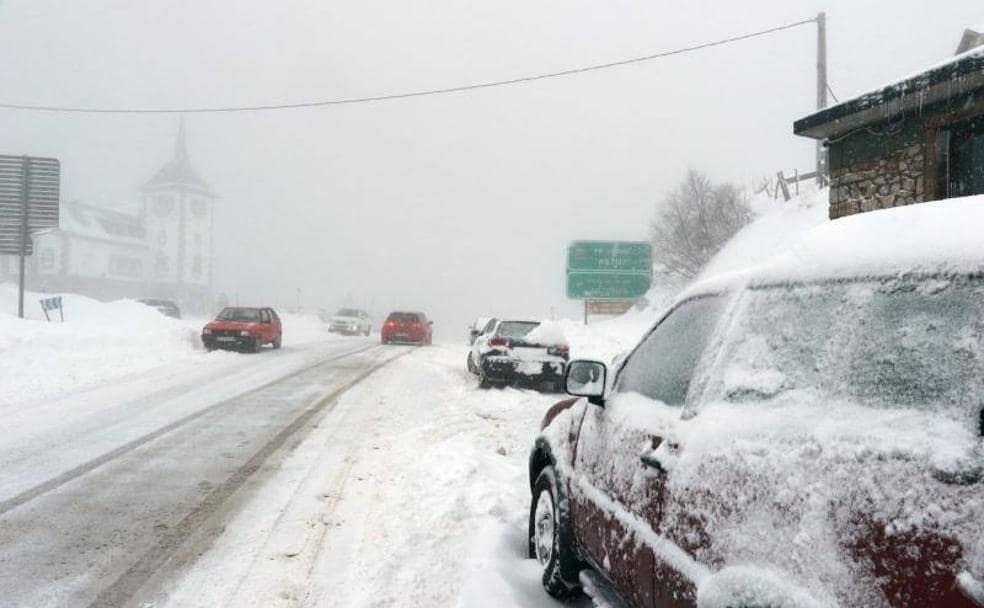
x=887 y=343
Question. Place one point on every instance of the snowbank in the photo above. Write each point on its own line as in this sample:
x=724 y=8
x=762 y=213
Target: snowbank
x=777 y=227
x=102 y=341
x=97 y=342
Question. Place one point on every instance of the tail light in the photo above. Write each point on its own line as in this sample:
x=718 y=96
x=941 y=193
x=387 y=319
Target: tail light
x=498 y=341
x=561 y=350
x=390 y=324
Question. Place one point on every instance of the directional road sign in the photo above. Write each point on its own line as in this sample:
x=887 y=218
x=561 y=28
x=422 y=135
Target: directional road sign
x=608 y=270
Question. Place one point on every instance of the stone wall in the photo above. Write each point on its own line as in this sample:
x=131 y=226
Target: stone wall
x=895 y=179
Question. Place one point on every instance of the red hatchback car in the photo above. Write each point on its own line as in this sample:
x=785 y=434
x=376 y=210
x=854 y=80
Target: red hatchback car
x=407 y=328
x=808 y=433
x=243 y=328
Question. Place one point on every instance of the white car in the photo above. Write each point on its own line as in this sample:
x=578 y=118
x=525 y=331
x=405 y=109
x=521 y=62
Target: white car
x=518 y=351
x=351 y=322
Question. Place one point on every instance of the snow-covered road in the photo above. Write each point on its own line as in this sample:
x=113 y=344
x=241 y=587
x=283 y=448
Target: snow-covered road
x=411 y=492
x=98 y=491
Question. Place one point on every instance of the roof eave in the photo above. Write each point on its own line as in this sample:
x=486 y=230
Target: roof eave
x=927 y=88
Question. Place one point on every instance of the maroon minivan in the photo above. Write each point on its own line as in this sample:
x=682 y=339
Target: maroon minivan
x=798 y=435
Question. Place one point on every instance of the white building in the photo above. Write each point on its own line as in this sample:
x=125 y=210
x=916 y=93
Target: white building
x=165 y=250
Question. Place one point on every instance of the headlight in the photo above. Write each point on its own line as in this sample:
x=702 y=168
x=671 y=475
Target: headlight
x=206 y=331
x=244 y=333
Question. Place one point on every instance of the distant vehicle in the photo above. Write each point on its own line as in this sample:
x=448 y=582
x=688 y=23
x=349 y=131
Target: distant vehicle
x=479 y=327
x=508 y=352
x=350 y=322
x=166 y=307
x=807 y=432
x=407 y=328
x=243 y=328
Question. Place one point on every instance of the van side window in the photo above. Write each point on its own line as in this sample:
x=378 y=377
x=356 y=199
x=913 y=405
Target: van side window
x=662 y=367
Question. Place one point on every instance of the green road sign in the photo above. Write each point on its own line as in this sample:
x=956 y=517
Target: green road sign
x=604 y=256
x=608 y=270
x=607 y=285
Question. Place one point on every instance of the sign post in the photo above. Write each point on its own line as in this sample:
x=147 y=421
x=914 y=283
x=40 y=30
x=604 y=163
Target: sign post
x=29 y=193
x=608 y=271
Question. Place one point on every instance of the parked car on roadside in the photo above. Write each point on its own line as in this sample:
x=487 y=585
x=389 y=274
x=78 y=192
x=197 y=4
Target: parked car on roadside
x=243 y=328
x=350 y=322
x=806 y=433
x=407 y=328
x=480 y=326
x=515 y=351
x=166 y=307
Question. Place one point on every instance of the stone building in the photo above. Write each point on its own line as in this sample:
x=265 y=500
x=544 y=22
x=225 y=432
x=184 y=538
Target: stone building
x=164 y=250
x=916 y=140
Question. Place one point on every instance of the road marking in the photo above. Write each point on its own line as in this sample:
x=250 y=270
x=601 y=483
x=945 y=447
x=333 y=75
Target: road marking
x=129 y=583
x=74 y=473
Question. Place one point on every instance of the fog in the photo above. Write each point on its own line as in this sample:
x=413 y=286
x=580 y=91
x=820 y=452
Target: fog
x=462 y=204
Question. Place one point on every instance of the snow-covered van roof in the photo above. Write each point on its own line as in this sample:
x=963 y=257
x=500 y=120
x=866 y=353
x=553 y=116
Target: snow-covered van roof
x=942 y=237
x=953 y=77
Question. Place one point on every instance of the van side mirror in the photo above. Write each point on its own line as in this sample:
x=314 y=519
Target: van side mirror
x=585 y=378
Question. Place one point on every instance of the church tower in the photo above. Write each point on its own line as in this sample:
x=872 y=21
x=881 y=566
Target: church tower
x=177 y=208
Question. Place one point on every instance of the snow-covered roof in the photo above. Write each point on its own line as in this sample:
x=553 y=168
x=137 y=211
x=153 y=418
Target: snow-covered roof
x=935 y=238
x=945 y=80
x=96 y=222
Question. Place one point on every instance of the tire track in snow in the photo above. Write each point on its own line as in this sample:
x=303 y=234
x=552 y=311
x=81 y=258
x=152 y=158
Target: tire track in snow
x=130 y=582
x=86 y=467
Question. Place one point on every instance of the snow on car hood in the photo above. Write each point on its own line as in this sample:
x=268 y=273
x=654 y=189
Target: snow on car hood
x=791 y=484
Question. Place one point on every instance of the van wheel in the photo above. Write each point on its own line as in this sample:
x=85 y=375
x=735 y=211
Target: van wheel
x=552 y=539
x=277 y=342
x=257 y=344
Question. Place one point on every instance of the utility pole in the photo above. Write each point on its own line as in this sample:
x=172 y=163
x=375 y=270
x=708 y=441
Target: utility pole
x=821 y=88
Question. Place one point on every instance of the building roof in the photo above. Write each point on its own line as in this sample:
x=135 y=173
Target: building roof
x=972 y=37
x=178 y=171
x=89 y=221
x=957 y=75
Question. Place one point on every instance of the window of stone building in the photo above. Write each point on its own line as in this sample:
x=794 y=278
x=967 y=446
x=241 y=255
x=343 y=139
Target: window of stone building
x=960 y=159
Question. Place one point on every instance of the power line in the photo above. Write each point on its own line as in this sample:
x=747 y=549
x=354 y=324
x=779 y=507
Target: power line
x=396 y=96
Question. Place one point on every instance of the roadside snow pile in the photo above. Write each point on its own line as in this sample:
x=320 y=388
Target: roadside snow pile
x=778 y=226
x=96 y=343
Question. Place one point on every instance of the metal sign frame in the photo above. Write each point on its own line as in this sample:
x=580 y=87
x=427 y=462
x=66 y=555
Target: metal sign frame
x=29 y=200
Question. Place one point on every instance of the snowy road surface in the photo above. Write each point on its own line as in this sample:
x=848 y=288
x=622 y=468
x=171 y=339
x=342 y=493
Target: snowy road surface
x=336 y=474
x=100 y=491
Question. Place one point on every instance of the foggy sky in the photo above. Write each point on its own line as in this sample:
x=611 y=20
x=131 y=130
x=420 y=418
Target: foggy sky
x=459 y=205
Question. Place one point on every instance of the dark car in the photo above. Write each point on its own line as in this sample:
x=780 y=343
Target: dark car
x=511 y=352
x=166 y=307
x=407 y=328
x=808 y=433
x=243 y=328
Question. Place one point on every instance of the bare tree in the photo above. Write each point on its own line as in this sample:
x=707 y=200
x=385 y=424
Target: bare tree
x=694 y=221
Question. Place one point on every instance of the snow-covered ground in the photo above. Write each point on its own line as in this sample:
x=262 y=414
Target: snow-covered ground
x=103 y=342
x=411 y=492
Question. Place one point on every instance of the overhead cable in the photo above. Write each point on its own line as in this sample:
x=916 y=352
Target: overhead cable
x=395 y=96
